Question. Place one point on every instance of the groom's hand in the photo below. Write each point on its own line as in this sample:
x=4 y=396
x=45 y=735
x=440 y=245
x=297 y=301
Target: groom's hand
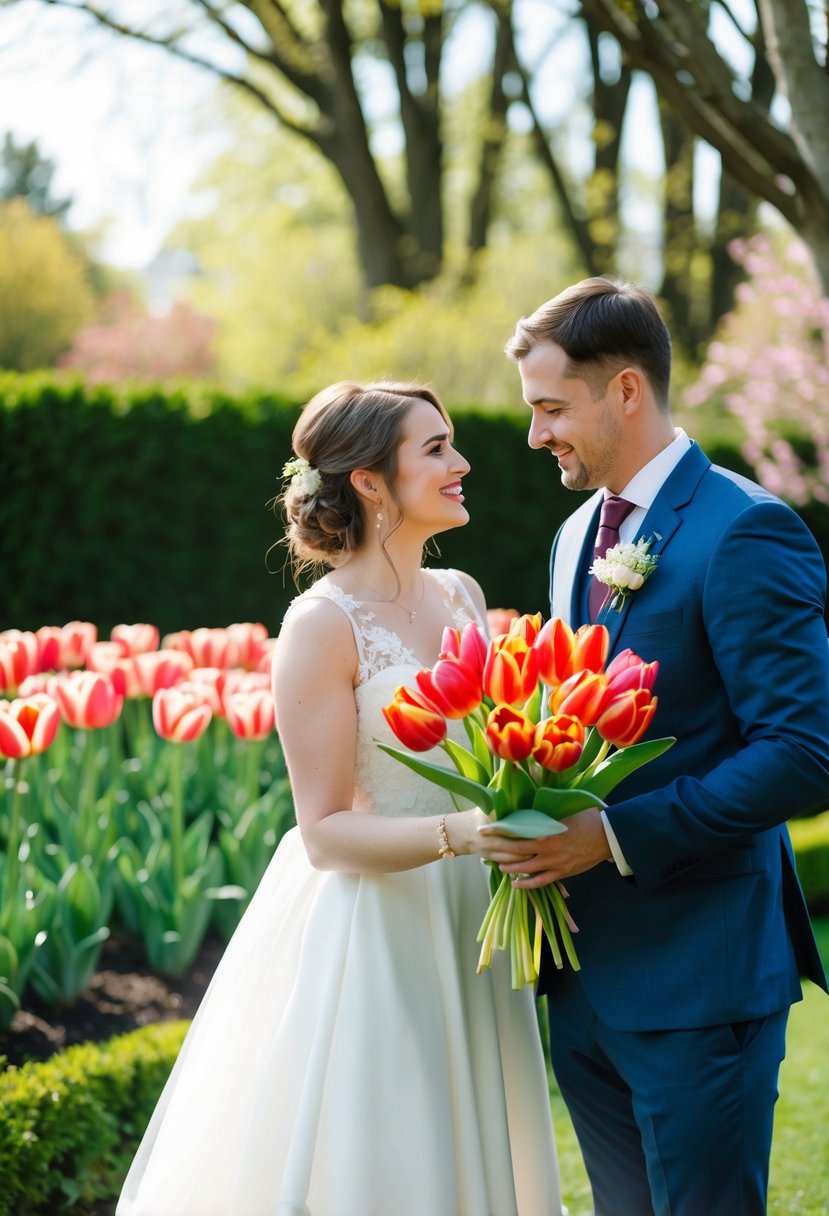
x=581 y=847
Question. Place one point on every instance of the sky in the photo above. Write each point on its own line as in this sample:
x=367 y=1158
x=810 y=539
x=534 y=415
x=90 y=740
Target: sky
x=130 y=129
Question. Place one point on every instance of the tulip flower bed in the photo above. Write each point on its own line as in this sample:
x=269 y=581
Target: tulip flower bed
x=144 y=789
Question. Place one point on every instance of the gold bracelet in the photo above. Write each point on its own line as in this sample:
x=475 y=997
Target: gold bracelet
x=445 y=849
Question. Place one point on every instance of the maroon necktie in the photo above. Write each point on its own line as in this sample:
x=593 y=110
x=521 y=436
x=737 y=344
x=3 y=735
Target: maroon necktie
x=614 y=511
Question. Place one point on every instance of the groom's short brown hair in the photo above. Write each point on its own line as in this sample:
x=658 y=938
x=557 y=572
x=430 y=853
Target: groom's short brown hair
x=602 y=325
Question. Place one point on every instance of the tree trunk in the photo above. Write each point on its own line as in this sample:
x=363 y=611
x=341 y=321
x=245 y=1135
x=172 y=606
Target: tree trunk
x=679 y=234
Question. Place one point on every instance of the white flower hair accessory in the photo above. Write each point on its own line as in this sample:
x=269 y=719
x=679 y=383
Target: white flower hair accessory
x=624 y=569
x=303 y=475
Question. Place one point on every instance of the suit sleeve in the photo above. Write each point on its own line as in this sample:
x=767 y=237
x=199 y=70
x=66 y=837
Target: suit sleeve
x=762 y=605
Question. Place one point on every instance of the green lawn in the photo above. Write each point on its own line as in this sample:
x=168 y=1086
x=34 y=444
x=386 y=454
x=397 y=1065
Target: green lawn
x=799 y=1181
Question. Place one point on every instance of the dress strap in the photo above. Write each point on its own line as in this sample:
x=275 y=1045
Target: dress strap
x=353 y=609
x=464 y=608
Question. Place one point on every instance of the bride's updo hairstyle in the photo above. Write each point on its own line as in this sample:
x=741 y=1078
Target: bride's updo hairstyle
x=345 y=427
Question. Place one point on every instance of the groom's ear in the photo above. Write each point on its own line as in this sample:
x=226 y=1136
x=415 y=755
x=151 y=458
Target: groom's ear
x=632 y=389
x=365 y=483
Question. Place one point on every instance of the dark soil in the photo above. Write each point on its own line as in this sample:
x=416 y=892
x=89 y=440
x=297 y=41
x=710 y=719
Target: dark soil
x=121 y=996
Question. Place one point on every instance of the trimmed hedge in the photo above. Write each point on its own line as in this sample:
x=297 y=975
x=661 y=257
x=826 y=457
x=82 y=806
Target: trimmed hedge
x=69 y=1126
x=125 y=505
x=810 y=838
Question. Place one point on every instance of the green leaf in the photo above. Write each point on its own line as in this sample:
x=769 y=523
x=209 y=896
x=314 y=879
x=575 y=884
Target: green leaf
x=622 y=763
x=444 y=777
x=465 y=762
x=480 y=747
x=558 y=803
x=526 y=825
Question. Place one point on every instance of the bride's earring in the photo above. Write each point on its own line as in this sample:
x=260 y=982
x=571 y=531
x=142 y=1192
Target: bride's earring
x=379 y=520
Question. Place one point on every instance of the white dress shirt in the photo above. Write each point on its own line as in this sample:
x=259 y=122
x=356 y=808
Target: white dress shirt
x=642 y=490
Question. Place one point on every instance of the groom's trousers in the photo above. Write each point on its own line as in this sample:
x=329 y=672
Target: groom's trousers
x=670 y=1123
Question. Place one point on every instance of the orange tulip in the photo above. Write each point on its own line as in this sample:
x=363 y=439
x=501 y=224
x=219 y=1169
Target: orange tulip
x=180 y=716
x=415 y=720
x=452 y=686
x=628 y=716
x=510 y=734
x=137 y=639
x=590 y=646
x=250 y=715
x=525 y=627
x=161 y=669
x=558 y=742
x=555 y=652
x=583 y=695
x=88 y=699
x=510 y=670
x=28 y=725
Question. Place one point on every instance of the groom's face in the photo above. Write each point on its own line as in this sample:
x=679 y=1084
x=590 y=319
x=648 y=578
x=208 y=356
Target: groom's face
x=581 y=431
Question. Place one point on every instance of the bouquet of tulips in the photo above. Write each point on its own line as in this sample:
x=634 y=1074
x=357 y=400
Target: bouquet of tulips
x=551 y=731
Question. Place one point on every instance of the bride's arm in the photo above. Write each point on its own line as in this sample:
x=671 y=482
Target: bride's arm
x=314 y=671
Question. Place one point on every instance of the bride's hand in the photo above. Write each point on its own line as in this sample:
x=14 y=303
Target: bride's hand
x=462 y=829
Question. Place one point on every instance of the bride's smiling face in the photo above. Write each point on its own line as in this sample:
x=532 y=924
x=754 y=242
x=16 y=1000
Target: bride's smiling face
x=429 y=472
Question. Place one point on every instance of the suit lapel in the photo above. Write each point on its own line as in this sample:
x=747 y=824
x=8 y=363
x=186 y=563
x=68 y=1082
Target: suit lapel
x=573 y=553
x=662 y=523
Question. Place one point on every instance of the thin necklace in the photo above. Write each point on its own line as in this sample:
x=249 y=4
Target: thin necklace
x=411 y=613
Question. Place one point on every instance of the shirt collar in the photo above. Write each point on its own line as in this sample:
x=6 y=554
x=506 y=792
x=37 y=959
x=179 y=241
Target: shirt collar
x=644 y=486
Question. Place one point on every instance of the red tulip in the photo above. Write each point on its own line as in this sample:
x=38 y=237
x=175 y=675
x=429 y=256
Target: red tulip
x=510 y=734
x=19 y=657
x=251 y=715
x=28 y=725
x=498 y=620
x=628 y=716
x=510 y=671
x=76 y=640
x=206 y=647
x=250 y=642
x=180 y=716
x=558 y=742
x=210 y=683
x=452 y=686
x=43 y=682
x=555 y=652
x=161 y=669
x=137 y=639
x=467 y=645
x=629 y=671
x=237 y=680
x=415 y=720
x=49 y=641
x=88 y=699
x=583 y=695
x=110 y=658
x=525 y=627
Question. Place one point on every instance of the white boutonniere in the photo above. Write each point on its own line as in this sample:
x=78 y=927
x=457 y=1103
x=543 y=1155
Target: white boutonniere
x=303 y=475
x=624 y=569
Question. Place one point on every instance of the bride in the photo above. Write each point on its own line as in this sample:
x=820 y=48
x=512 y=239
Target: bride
x=346 y=1059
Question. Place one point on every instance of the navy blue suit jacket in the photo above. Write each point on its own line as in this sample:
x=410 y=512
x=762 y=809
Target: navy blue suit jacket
x=712 y=927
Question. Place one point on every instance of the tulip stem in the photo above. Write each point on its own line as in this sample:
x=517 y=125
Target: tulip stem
x=18 y=788
x=177 y=827
x=591 y=768
x=87 y=800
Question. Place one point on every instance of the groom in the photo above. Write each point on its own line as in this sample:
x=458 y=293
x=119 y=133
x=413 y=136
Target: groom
x=693 y=929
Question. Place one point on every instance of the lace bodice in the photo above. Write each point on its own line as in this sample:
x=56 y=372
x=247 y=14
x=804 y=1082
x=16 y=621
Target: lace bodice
x=382 y=784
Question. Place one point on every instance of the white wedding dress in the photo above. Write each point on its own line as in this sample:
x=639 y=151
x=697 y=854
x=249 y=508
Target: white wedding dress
x=346 y=1059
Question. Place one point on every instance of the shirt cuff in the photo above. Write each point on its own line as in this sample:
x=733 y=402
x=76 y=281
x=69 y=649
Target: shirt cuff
x=618 y=856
